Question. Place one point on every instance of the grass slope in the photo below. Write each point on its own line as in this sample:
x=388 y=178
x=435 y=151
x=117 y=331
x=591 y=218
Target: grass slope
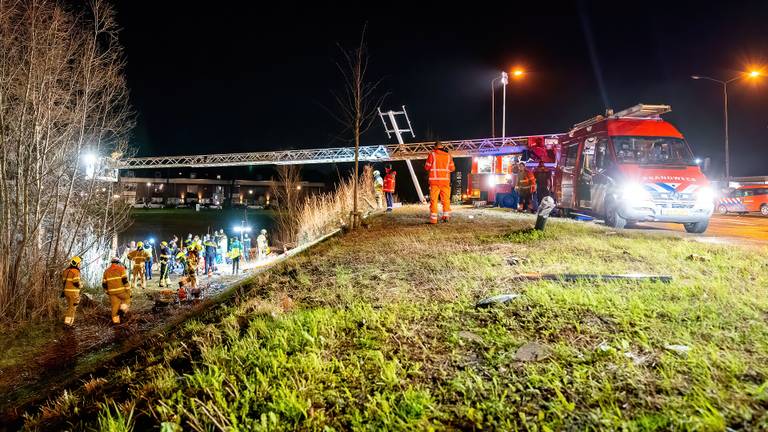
x=377 y=330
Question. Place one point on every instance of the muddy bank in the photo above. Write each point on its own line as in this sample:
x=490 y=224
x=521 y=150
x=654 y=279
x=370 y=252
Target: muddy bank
x=72 y=354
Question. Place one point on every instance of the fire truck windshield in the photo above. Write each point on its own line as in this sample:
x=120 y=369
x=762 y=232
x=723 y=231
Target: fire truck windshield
x=646 y=150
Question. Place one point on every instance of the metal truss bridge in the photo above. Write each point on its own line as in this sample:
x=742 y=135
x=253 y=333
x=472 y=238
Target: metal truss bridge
x=380 y=153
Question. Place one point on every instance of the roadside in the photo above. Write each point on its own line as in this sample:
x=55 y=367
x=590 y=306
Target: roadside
x=39 y=358
x=379 y=330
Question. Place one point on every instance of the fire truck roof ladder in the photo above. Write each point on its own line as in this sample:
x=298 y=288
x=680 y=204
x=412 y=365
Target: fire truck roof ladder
x=639 y=111
x=643 y=111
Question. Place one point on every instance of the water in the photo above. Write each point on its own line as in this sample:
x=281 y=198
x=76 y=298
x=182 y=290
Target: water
x=163 y=224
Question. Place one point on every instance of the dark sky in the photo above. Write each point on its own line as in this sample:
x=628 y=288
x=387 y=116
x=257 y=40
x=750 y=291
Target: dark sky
x=237 y=76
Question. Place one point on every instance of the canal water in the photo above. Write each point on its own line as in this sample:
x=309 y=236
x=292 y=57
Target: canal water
x=163 y=224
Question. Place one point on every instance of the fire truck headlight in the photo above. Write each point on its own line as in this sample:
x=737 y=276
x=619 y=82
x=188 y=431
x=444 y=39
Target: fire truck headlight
x=635 y=193
x=705 y=197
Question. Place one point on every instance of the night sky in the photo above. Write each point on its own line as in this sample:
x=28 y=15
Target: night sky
x=230 y=77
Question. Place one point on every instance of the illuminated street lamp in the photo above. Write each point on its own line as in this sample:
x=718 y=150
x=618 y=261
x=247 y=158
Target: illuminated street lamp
x=750 y=74
x=242 y=229
x=504 y=79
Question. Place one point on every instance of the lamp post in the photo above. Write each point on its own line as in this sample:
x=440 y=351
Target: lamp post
x=752 y=74
x=504 y=78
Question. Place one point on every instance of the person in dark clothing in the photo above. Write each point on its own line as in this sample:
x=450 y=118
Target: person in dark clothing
x=210 y=255
x=543 y=181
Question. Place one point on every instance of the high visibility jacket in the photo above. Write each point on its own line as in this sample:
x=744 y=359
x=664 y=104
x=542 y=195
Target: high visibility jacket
x=210 y=248
x=440 y=166
x=235 y=252
x=165 y=254
x=138 y=256
x=378 y=184
x=389 y=181
x=71 y=278
x=115 y=279
x=526 y=182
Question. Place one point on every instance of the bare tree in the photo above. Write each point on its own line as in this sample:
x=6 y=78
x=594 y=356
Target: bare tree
x=357 y=105
x=62 y=96
x=287 y=191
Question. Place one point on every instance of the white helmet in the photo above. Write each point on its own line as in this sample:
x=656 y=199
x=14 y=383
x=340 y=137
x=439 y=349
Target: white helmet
x=376 y=173
x=263 y=231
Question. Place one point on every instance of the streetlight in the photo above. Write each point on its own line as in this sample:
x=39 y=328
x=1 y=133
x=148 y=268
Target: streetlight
x=751 y=74
x=504 y=78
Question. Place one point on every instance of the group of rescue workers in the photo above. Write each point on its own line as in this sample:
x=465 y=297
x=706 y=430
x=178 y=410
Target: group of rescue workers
x=190 y=258
x=529 y=188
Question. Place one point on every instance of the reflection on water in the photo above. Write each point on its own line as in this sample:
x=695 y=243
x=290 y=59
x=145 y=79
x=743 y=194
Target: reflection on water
x=163 y=224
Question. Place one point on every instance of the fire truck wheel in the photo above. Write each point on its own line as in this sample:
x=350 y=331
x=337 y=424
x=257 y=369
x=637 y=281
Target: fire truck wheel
x=764 y=209
x=722 y=210
x=612 y=217
x=696 y=227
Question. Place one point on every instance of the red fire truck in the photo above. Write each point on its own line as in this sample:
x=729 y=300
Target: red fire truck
x=624 y=167
x=632 y=166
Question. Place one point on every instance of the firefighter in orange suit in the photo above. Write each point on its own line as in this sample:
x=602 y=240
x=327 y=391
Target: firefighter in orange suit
x=115 y=282
x=138 y=257
x=389 y=186
x=71 y=277
x=440 y=166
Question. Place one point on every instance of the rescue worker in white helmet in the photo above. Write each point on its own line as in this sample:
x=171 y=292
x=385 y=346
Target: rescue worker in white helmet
x=115 y=283
x=262 y=244
x=378 y=188
x=71 y=290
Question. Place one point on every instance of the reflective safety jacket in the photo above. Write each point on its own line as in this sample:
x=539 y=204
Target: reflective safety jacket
x=138 y=256
x=236 y=250
x=115 y=280
x=165 y=254
x=210 y=248
x=378 y=184
x=71 y=278
x=526 y=182
x=389 y=181
x=440 y=166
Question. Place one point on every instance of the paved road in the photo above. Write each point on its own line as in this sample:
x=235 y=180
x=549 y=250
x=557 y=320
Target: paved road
x=749 y=228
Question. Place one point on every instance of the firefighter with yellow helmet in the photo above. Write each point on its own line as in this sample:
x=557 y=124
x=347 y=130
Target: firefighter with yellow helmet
x=71 y=290
x=138 y=257
x=115 y=283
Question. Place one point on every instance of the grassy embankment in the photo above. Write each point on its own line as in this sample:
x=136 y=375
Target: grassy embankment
x=378 y=330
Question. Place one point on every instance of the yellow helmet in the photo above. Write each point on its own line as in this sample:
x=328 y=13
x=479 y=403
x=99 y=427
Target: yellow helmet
x=76 y=260
x=140 y=245
x=164 y=243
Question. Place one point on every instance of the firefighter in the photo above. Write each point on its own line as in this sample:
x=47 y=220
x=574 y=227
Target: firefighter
x=71 y=292
x=235 y=253
x=165 y=257
x=115 y=283
x=378 y=188
x=440 y=166
x=246 y=247
x=138 y=257
x=262 y=244
x=193 y=252
x=389 y=186
x=210 y=255
x=189 y=275
x=543 y=181
x=150 y=251
x=526 y=186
